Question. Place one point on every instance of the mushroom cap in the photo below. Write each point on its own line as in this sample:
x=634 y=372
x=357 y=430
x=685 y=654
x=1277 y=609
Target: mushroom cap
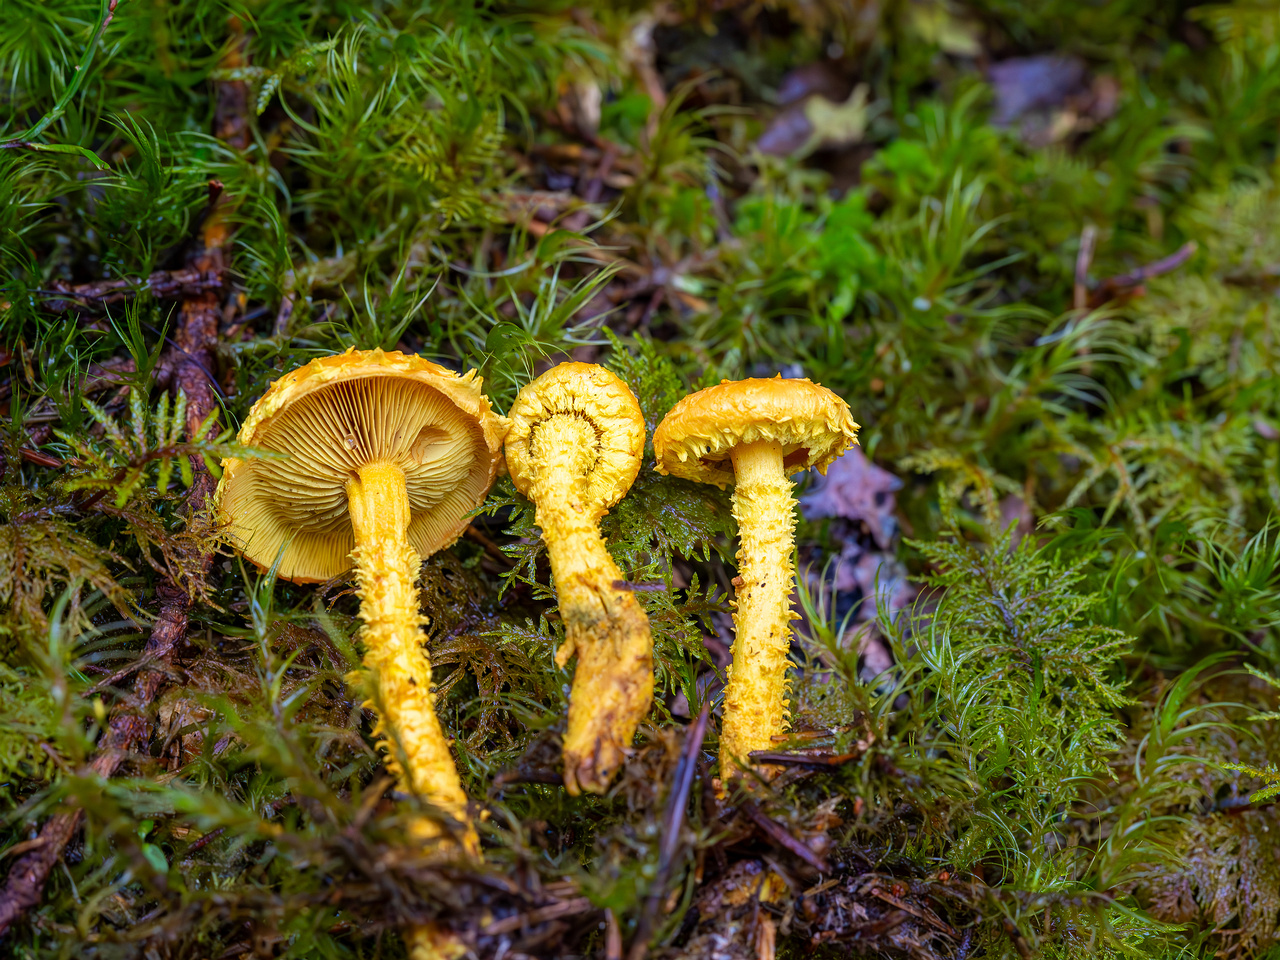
x=696 y=438
x=335 y=415
x=592 y=393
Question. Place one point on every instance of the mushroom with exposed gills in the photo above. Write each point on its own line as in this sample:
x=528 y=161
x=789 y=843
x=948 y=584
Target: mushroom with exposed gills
x=385 y=456
x=574 y=449
x=754 y=434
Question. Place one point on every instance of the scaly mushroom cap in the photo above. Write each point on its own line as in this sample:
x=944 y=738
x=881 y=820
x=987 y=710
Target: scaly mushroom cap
x=696 y=438
x=592 y=394
x=336 y=414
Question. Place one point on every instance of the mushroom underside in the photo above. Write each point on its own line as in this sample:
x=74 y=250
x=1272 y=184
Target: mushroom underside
x=298 y=501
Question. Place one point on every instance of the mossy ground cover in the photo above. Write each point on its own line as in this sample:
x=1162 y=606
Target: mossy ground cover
x=1035 y=246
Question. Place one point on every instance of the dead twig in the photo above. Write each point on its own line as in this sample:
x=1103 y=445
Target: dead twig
x=931 y=920
x=110 y=681
x=634 y=587
x=1019 y=941
x=779 y=835
x=874 y=928
x=193 y=356
x=553 y=911
x=822 y=761
x=163 y=285
x=612 y=937
x=23 y=847
x=672 y=820
x=1129 y=284
x=24 y=886
x=40 y=459
x=1088 y=238
x=491 y=548
x=204 y=841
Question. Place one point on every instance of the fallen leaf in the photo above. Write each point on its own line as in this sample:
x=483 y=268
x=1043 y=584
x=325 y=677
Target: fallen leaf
x=878 y=577
x=856 y=489
x=817 y=123
x=1013 y=509
x=821 y=78
x=839 y=124
x=788 y=132
x=1026 y=84
x=937 y=23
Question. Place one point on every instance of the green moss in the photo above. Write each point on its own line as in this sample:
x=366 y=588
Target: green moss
x=1060 y=761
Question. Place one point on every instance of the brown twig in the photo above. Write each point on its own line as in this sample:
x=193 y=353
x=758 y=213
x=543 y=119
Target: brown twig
x=491 y=548
x=1129 y=283
x=40 y=459
x=820 y=760
x=114 y=678
x=23 y=847
x=1019 y=941
x=778 y=834
x=933 y=921
x=204 y=841
x=1088 y=238
x=672 y=820
x=24 y=886
x=612 y=937
x=163 y=285
x=552 y=911
x=873 y=928
x=633 y=586
x=509 y=778
x=193 y=354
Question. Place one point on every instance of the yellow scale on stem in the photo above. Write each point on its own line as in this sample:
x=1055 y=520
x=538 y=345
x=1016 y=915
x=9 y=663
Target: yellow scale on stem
x=574 y=449
x=753 y=435
x=386 y=568
x=755 y=698
x=604 y=625
x=379 y=460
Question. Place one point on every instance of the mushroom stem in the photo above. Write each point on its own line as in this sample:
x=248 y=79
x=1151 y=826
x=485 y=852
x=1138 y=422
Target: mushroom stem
x=603 y=623
x=386 y=567
x=755 y=698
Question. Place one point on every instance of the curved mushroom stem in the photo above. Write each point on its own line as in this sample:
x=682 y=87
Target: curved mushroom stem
x=603 y=623
x=386 y=567
x=754 y=700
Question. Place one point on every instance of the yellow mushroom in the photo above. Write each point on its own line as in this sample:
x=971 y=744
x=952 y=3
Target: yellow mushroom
x=574 y=449
x=754 y=434
x=386 y=455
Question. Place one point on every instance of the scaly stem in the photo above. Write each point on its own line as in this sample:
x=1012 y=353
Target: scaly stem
x=603 y=624
x=386 y=567
x=755 y=698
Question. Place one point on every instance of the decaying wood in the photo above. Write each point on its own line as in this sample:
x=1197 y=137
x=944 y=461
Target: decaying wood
x=182 y=284
x=191 y=357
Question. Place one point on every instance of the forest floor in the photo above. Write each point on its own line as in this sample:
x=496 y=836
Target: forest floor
x=1036 y=247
